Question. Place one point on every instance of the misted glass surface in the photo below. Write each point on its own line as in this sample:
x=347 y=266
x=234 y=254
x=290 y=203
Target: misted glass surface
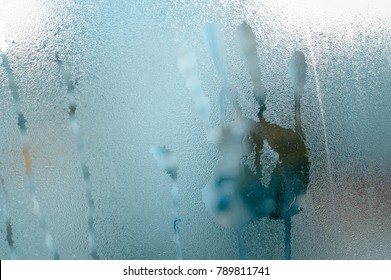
x=195 y=129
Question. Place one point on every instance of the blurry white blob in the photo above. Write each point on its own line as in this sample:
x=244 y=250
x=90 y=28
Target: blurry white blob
x=187 y=65
x=222 y=194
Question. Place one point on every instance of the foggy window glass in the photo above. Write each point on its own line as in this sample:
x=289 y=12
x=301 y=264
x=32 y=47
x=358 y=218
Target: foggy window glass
x=243 y=129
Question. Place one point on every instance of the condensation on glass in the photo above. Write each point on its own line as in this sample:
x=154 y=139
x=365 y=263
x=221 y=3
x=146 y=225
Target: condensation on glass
x=195 y=129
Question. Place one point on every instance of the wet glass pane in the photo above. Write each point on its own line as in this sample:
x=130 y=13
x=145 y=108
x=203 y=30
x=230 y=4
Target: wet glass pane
x=175 y=129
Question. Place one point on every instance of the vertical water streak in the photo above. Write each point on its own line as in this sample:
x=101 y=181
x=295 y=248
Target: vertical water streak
x=322 y=115
x=26 y=156
x=215 y=46
x=297 y=68
x=288 y=237
x=166 y=159
x=248 y=45
x=176 y=219
x=72 y=106
x=8 y=224
x=241 y=244
x=187 y=65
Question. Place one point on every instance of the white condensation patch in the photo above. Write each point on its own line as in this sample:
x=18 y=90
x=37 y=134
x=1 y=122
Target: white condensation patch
x=249 y=160
x=187 y=65
x=269 y=159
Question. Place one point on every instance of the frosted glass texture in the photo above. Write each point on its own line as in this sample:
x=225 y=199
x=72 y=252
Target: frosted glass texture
x=252 y=129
